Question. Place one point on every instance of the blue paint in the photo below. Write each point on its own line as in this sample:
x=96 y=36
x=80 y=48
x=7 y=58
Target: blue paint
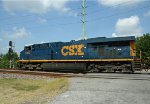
x=94 y=48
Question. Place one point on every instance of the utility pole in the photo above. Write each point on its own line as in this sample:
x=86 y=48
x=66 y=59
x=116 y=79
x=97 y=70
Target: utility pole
x=83 y=20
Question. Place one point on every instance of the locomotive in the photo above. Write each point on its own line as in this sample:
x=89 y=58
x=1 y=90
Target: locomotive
x=98 y=54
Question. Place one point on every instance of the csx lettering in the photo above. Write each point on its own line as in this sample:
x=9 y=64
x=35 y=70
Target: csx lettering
x=72 y=50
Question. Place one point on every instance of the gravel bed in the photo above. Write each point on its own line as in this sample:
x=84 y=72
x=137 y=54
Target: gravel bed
x=106 y=91
x=23 y=76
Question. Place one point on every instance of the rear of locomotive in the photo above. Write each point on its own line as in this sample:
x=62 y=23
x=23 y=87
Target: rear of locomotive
x=112 y=54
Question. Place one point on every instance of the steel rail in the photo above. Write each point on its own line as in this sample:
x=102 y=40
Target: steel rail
x=124 y=76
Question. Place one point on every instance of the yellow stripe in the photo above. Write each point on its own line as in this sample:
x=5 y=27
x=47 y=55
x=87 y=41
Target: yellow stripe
x=91 y=60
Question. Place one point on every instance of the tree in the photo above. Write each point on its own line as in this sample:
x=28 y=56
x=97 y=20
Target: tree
x=4 y=60
x=143 y=44
x=4 y=63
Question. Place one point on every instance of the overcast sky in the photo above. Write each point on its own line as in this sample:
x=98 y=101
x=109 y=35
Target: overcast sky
x=36 y=21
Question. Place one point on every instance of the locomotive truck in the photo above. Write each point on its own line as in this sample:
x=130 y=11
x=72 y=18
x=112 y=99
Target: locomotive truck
x=98 y=54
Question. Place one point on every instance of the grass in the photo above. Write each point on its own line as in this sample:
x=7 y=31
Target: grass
x=27 y=91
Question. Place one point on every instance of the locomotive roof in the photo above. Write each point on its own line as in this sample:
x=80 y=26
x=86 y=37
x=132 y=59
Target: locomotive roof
x=95 y=40
x=104 y=39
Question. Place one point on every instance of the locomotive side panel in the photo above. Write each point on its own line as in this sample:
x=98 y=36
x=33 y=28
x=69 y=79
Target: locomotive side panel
x=109 y=50
x=95 y=54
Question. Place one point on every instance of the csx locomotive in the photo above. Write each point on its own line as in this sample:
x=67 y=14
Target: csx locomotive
x=88 y=55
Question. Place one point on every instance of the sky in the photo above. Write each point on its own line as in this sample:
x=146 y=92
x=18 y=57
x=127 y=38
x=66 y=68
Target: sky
x=28 y=22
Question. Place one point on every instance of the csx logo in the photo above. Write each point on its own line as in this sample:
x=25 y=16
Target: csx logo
x=72 y=50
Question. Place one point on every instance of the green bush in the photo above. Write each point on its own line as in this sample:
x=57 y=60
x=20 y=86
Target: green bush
x=4 y=60
x=143 y=44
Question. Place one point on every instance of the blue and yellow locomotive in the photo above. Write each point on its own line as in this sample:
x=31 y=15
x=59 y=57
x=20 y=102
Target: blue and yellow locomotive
x=89 y=55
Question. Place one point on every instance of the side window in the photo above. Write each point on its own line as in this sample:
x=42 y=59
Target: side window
x=33 y=48
x=28 y=48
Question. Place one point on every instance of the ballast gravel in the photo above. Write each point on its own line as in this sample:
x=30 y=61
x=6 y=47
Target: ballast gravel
x=105 y=91
x=23 y=76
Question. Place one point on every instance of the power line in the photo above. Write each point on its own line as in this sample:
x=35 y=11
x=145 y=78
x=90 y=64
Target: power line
x=55 y=17
x=112 y=15
x=93 y=20
x=27 y=21
x=26 y=15
x=99 y=18
x=53 y=25
x=109 y=7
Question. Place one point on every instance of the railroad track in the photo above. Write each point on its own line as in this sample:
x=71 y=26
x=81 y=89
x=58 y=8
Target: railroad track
x=136 y=76
x=37 y=73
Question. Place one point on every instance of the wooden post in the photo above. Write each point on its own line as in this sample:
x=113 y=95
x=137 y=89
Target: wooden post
x=140 y=55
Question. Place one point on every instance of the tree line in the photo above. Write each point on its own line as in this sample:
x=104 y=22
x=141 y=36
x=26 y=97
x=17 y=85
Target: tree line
x=142 y=43
x=5 y=60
